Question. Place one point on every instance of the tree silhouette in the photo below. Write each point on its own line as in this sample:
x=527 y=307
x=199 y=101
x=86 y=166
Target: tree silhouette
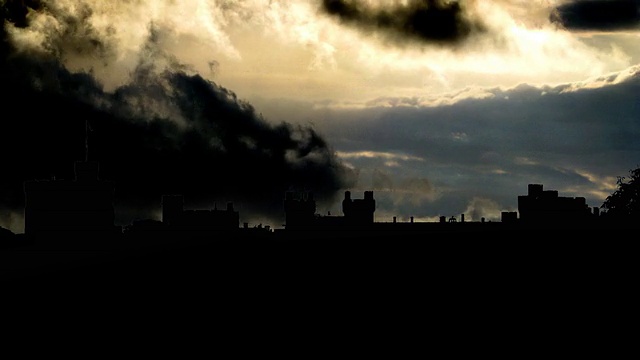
x=624 y=203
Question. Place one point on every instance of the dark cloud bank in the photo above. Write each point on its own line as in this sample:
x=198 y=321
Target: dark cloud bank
x=427 y=21
x=605 y=15
x=489 y=147
x=166 y=132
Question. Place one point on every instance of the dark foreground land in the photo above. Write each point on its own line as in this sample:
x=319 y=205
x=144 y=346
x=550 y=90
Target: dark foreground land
x=503 y=293
x=342 y=258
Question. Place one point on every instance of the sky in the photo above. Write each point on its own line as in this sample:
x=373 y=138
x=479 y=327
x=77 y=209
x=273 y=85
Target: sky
x=441 y=108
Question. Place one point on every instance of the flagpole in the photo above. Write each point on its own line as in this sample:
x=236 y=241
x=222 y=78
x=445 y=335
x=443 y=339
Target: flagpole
x=86 y=140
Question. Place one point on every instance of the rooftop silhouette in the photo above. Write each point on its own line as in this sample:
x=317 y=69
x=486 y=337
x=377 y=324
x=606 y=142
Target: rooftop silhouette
x=69 y=224
x=82 y=209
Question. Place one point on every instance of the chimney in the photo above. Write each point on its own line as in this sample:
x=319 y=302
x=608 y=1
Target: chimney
x=368 y=195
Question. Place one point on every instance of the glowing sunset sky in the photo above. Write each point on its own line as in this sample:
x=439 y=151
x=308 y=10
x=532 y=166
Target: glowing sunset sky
x=440 y=107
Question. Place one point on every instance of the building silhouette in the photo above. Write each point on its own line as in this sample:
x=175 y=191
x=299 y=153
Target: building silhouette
x=546 y=207
x=510 y=217
x=175 y=215
x=82 y=204
x=359 y=211
x=300 y=211
x=86 y=204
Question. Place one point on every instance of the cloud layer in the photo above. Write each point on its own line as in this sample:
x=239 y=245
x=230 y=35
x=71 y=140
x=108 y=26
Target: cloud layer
x=598 y=15
x=168 y=130
x=429 y=21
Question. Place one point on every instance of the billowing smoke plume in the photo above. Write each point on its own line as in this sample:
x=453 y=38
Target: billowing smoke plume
x=428 y=21
x=168 y=131
x=599 y=15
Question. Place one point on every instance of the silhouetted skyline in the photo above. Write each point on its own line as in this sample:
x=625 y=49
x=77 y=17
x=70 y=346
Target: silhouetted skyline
x=71 y=236
x=83 y=209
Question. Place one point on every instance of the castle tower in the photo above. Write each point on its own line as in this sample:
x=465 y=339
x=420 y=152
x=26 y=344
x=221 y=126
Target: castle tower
x=359 y=211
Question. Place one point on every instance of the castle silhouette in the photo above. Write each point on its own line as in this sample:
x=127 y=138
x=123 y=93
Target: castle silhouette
x=69 y=224
x=82 y=210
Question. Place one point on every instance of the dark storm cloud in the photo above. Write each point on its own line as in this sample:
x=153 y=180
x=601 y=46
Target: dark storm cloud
x=427 y=21
x=168 y=131
x=15 y=11
x=605 y=15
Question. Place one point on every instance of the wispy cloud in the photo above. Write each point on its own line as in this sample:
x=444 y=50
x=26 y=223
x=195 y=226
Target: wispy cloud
x=389 y=156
